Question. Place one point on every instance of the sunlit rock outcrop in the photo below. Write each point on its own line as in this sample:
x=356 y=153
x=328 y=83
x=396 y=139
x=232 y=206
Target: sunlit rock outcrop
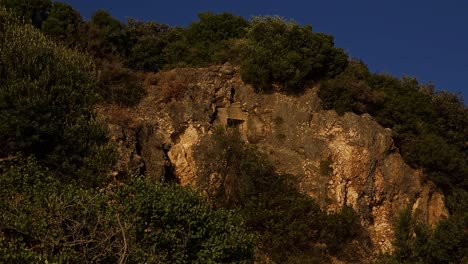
x=338 y=160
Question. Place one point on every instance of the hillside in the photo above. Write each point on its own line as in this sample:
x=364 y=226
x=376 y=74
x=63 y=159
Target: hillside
x=337 y=160
x=228 y=141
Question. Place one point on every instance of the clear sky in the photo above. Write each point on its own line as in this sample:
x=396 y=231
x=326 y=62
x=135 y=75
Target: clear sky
x=426 y=39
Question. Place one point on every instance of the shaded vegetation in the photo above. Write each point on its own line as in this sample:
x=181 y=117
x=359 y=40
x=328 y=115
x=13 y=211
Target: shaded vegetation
x=418 y=243
x=289 y=224
x=119 y=85
x=43 y=220
x=34 y=11
x=147 y=42
x=64 y=24
x=46 y=98
x=106 y=36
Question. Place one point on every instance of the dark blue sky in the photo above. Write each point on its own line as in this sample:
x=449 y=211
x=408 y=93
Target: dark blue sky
x=425 y=39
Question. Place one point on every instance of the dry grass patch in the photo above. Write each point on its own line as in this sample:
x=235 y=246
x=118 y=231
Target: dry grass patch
x=173 y=85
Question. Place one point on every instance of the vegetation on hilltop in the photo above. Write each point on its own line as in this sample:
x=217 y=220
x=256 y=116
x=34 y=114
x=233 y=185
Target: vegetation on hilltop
x=431 y=131
x=57 y=205
x=282 y=52
x=430 y=128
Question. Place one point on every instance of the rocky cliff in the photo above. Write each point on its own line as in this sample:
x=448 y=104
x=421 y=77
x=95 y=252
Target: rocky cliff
x=339 y=160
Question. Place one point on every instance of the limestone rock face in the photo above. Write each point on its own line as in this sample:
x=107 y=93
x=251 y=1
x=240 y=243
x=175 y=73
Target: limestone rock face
x=369 y=174
x=339 y=160
x=181 y=155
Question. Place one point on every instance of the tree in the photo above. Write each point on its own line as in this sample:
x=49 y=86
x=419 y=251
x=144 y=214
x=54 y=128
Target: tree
x=282 y=52
x=350 y=91
x=44 y=220
x=174 y=225
x=106 y=36
x=64 y=24
x=209 y=40
x=46 y=98
x=119 y=85
x=147 y=43
x=34 y=11
x=418 y=243
x=453 y=118
x=239 y=173
x=428 y=127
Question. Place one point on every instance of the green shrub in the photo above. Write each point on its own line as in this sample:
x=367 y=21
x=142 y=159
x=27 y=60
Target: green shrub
x=279 y=51
x=207 y=41
x=414 y=118
x=33 y=11
x=429 y=128
x=47 y=220
x=443 y=162
x=325 y=167
x=64 y=24
x=175 y=225
x=453 y=118
x=340 y=228
x=147 y=54
x=418 y=243
x=44 y=220
x=46 y=98
x=106 y=36
x=350 y=92
x=288 y=223
x=229 y=180
x=147 y=42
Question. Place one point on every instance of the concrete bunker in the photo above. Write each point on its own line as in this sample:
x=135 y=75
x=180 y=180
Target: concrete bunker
x=232 y=115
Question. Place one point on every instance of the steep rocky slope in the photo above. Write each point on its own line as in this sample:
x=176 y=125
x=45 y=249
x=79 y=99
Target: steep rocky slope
x=338 y=160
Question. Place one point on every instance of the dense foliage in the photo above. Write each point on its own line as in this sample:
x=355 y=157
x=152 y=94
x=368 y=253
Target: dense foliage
x=207 y=41
x=429 y=127
x=119 y=85
x=64 y=24
x=35 y=11
x=139 y=222
x=147 y=42
x=418 y=243
x=46 y=97
x=271 y=51
x=282 y=52
x=106 y=36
